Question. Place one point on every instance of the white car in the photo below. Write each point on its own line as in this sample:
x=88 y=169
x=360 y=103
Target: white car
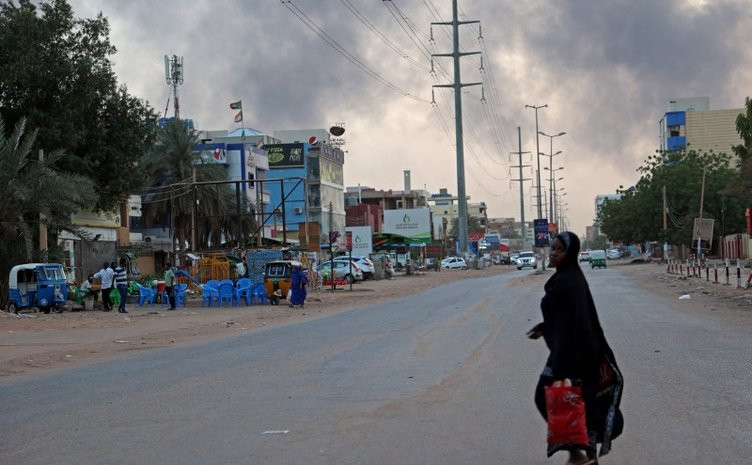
x=527 y=259
x=365 y=264
x=613 y=254
x=342 y=270
x=454 y=263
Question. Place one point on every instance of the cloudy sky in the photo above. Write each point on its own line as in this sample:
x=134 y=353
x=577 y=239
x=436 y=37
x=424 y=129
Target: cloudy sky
x=605 y=68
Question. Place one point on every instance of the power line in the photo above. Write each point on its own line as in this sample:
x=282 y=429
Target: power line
x=305 y=19
x=362 y=18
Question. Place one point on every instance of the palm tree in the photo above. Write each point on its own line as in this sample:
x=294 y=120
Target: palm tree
x=171 y=166
x=473 y=225
x=32 y=191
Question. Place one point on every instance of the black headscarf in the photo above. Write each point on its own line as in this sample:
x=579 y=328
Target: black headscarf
x=572 y=246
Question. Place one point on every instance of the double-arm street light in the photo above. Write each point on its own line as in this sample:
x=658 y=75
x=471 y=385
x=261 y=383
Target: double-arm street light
x=550 y=167
x=537 y=156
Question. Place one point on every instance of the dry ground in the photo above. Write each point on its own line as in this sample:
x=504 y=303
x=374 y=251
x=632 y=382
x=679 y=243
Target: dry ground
x=35 y=342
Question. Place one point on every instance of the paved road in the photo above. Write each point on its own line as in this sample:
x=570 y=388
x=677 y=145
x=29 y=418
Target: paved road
x=440 y=378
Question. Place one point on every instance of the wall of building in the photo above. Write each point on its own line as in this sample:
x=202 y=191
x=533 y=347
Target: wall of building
x=713 y=130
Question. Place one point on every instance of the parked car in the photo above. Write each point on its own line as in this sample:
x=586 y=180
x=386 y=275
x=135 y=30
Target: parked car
x=342 y=270
x=454 y=263
x=527 y=259
x=585 y=256
x=613 y=254
x=365 y=264
x=597 y=259
x=513 y=259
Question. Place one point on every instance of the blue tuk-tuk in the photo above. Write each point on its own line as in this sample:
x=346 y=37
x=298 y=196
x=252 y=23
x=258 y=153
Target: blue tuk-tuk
x=40 y=285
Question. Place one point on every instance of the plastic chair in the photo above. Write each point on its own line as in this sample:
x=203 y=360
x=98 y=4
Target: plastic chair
x=145 y=295
x=180 y=296
x=226 y=293
x=243 y=291
x=210 y=294
x=259 y=294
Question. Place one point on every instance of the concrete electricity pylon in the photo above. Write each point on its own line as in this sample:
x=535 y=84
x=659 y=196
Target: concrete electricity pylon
x=457 y=86
x=174 y=78
x=522 y=180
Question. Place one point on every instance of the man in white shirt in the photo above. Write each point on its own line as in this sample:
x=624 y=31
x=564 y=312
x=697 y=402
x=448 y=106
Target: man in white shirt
x=107 y=275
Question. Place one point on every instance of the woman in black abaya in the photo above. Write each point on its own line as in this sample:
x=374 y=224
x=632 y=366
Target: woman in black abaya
x=578 y=351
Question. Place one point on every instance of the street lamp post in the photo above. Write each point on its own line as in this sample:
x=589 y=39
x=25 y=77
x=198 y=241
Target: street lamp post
x=537 y=156
x=550 y=167
x=552 y=191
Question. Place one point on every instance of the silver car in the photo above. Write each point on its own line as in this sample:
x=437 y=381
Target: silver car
x=527 y=259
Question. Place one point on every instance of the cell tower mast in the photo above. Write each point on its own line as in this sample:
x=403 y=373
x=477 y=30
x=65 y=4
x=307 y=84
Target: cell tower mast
x=174 y=78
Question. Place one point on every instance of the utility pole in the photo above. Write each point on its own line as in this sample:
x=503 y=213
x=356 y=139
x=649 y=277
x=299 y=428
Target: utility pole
x=457 y=86
x=665 y=225
x=42 y=224
x=702 y=200
x=537 y=156
x=193 y=213
x=521 y=180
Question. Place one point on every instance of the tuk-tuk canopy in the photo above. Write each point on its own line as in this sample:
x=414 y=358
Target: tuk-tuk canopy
x=52 y=271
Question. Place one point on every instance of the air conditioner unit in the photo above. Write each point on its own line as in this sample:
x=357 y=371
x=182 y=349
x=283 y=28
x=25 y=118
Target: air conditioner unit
x=298 y=210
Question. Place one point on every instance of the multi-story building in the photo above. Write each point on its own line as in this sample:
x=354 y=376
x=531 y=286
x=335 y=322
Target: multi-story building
x=445 y=207
x=690 y=124
x=312 y=186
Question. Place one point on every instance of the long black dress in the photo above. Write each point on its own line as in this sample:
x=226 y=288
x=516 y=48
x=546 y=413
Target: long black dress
x=579 y=351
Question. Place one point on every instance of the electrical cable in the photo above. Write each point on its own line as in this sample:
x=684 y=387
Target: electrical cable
x=305 y=19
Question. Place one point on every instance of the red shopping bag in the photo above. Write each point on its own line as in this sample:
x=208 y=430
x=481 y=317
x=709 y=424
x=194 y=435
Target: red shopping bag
x=566 y=414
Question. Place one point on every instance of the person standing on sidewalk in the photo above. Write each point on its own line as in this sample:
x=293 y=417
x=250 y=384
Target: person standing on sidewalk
x=121 y=283
x=169 y=279
x=107 y=275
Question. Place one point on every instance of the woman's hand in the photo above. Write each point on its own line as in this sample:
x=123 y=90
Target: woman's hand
x=536 y=332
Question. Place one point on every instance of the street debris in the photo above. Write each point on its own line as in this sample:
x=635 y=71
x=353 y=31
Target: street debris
x=685 y=297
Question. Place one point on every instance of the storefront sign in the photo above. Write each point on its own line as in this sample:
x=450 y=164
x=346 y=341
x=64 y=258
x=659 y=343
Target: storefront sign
x=284 y=155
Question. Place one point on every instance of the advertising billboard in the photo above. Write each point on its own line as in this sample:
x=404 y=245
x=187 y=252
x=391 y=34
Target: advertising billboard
x=540 y=227
x=362 y=240
x=414 y=224
x=284 y=155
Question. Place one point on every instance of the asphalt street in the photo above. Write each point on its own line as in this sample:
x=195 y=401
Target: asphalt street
x=443 y=377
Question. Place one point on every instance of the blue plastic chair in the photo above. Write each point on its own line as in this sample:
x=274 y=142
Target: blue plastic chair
x=226 y=293
x=258 y=294
x=145 y=295
x=243 y=291
x=180 y=296
x=210 y=294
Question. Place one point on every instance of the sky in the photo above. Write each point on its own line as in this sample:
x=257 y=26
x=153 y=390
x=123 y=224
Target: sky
x=605 y=69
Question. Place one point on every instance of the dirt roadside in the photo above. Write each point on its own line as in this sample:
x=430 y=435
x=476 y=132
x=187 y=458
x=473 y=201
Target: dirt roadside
x=35 y=342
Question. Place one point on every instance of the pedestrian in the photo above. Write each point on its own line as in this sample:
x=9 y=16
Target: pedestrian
x=169 y=279
x=107 y=277
x=121 y=283
x=578 y=351
x=298 y=287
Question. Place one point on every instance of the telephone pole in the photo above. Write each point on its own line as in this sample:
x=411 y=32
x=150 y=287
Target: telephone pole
x=521 y=180
x=457 y=86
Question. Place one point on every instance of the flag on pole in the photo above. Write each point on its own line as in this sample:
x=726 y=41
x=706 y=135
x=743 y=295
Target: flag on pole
x=239 y=117
x=236 y=105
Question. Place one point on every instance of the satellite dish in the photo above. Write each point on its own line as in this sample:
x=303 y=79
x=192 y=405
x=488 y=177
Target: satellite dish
x=336 y=130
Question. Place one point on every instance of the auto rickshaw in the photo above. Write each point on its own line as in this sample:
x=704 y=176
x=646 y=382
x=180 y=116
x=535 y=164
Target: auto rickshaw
x=40 y=285
x=278 y=279
x=597 y=259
